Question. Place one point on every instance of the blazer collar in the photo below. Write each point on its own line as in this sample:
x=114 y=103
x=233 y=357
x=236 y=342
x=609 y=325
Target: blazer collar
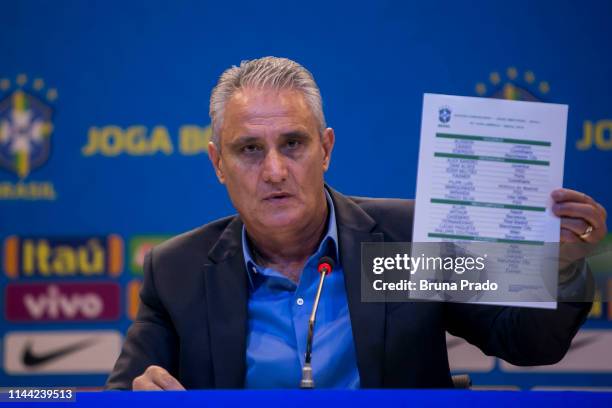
x=229 y=242
x=349 y=214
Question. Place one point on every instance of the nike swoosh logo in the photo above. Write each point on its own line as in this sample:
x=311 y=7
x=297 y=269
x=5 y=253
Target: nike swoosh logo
x=452 y=343
x=583 y=342
x=30 y=359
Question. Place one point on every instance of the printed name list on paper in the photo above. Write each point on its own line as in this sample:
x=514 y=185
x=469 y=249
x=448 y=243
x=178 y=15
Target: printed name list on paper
x=486 y=171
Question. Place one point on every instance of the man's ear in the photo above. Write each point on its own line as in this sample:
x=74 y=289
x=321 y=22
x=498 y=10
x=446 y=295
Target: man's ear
x=328 y=141
x=215 y=158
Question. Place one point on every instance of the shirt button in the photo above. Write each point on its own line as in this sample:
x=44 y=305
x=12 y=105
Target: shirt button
x=300 y=301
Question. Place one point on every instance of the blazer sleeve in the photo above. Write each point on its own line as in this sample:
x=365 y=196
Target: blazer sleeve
x=151 y=339
x=521 y=336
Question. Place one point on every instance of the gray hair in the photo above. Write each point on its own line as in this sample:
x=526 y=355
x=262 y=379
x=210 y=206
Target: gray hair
x=266 y=72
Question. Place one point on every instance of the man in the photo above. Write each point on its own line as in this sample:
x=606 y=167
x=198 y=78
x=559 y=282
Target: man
x=226 y=305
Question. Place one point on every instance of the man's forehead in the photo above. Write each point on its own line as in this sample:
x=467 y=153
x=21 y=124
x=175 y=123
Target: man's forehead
x=261 y=107
x=261 y=100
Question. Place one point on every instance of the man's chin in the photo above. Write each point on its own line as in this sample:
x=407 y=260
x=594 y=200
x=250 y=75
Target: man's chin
x=282 y=221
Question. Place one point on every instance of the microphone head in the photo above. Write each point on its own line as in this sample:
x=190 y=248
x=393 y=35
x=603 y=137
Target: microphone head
x=326 y=265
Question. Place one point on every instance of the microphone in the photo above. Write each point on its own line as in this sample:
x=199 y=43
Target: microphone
x=326 y=265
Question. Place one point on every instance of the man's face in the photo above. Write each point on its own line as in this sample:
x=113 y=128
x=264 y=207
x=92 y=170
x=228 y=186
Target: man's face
x=272 y=159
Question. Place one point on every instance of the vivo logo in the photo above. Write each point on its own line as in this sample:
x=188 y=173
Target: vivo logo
x=62 y=301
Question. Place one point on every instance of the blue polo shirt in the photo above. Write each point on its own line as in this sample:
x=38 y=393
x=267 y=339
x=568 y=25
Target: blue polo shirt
x=278 y=313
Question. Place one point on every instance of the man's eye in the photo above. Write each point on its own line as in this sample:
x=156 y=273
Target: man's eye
x=293 y=144
x=250 y=149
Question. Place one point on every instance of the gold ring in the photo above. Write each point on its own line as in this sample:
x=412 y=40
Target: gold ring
x=587 y=232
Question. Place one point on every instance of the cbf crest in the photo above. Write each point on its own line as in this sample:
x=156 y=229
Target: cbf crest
x=26 y=125
x=444 y=114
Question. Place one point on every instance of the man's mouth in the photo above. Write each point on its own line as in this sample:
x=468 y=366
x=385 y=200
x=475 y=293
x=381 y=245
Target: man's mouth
x=276 y=197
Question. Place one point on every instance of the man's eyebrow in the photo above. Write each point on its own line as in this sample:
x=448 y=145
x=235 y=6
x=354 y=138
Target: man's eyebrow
x=295 y=134
x=249 y=139
x=244 y=140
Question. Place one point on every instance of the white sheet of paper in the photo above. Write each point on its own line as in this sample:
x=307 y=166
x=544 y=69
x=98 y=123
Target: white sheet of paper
x=486 y=171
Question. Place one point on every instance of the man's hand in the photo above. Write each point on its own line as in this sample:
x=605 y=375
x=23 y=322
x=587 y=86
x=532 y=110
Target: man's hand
x=583 y=221
x=156 y=378
x=578 y=211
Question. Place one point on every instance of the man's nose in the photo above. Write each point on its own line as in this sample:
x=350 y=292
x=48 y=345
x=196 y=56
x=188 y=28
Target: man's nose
x=274 y=167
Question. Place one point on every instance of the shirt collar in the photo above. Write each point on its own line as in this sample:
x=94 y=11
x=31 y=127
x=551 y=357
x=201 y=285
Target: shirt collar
x=330 y=238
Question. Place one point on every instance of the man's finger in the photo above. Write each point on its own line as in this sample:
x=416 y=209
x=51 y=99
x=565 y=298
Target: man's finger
x=144 y=383
x=579 y=210
x=163 y=379
x=565 y=195
x=150 y=386
x=575 y=225
x=568 y=236
x=561 y=195
x=602 y=210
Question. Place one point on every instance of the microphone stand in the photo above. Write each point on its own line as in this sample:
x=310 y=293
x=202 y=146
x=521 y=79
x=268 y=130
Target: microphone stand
x=307 y=381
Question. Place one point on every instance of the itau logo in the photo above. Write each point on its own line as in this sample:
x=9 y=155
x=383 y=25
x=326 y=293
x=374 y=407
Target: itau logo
x=25 y=124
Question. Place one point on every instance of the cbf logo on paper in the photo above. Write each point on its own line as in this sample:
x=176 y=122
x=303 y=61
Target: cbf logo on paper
x=444 y=114
x=58 y=257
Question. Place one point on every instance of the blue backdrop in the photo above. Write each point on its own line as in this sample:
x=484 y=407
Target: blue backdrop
x=136 y=77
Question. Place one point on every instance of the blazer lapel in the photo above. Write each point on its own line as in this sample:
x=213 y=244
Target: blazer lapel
x=226 y=299
x=367 y=319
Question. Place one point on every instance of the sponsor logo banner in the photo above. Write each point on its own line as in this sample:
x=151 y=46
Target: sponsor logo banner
x=50 y=302
x=463 y=356
x=590 y=352
x=133 y=298
x=139 y=140
x=65 y=352
x=58 y=257
x=139 y=246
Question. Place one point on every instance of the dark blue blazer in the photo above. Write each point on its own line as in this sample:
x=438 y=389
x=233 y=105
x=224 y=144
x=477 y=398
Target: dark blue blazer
x=193 y=320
